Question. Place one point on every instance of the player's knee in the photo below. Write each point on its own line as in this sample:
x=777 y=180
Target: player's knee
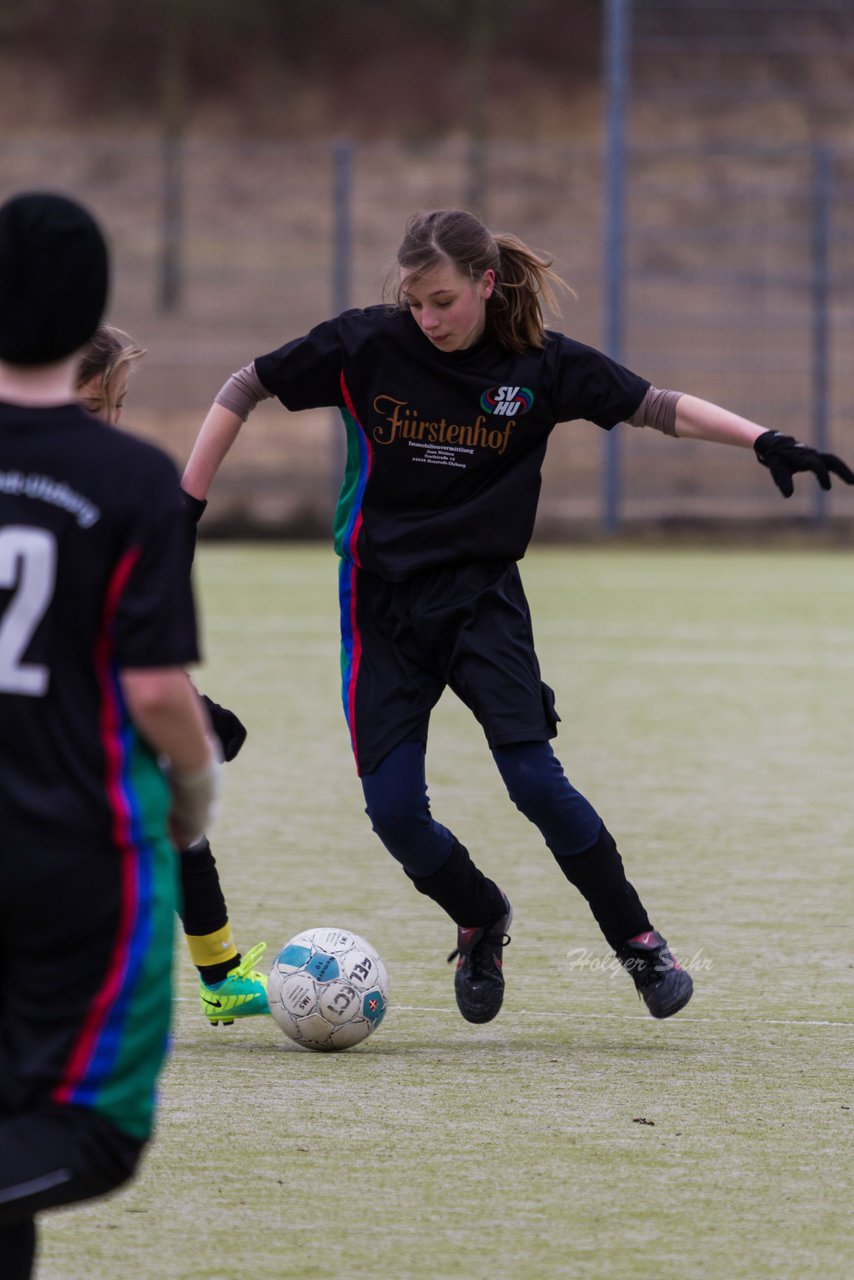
x=408 y=831
x=539 y=788
x=396 y=803
x=532 y=790
x=396 y=819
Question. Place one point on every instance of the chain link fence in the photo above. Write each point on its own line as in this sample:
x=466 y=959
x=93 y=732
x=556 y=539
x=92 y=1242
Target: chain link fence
x=738 y=269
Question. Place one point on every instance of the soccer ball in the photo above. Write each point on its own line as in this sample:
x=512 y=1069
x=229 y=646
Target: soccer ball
x=328 y=989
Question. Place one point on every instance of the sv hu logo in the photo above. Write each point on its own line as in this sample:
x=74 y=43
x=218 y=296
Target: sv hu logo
x=507 y=401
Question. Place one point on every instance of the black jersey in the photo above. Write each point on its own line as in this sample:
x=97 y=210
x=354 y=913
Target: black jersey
x=92 y=581
x=444 y=449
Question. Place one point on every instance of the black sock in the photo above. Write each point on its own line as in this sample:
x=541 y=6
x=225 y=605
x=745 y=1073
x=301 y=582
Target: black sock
x=204 y=914
x=598 y=874
x=211 y=974
x=203 y=908
x=18 y=1249
x=463 y=891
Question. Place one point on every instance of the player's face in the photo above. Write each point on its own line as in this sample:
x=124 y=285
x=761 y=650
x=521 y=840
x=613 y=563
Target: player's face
x=448 y=307
x=91 y=396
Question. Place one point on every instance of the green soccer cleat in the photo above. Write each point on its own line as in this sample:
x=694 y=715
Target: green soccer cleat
x=242 y=994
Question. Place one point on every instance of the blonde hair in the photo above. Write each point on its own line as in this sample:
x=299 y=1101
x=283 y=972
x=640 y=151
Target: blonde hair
x=524 y=280
x=107 y=351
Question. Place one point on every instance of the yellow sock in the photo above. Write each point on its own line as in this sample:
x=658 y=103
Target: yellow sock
x=211 y=948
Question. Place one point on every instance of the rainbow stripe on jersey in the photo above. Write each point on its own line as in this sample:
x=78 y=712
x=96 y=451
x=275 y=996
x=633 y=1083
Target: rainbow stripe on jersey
x=348 y=526
x=118 y=1053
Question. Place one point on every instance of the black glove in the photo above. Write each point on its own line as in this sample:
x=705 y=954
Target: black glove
x=230 y=731
x=194 y=507
x=784 y=456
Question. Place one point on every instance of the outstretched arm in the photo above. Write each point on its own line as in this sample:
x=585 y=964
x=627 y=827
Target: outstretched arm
x=782 y=455
x=700 y=420
x=217 y=434
x=232 y=406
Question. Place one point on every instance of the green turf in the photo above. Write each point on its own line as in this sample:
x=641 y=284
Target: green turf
x=707 y=709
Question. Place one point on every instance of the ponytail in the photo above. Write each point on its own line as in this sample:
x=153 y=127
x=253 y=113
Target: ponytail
x=523 y=278
x=524 y=281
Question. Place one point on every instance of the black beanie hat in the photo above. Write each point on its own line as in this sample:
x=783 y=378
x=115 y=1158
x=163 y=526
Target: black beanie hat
x=54 y=278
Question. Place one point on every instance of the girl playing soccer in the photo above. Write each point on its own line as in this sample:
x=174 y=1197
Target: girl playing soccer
x=448 y=398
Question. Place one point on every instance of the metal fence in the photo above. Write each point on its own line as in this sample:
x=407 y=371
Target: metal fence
x=736 y=271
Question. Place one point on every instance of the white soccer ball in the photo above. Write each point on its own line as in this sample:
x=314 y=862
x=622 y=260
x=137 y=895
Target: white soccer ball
x=328 y=989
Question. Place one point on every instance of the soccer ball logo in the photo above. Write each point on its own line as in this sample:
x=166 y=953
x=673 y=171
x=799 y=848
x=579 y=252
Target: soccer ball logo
x=328 y=989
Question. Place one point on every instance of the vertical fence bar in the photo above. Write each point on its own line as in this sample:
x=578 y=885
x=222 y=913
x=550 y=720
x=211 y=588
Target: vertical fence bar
x=342 y=234
x=342 y=276
x=480 y=31
x=172 y=224
x=616 y=67
x=173 y=104
x=822 y=195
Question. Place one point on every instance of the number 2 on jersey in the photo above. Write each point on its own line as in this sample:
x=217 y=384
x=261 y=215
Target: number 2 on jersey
x=28 y=568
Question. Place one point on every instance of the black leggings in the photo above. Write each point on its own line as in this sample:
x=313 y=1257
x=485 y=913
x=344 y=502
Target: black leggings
x=397 y=804
x=399 y=808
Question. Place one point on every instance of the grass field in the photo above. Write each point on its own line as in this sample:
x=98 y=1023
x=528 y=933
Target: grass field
x=707 y=708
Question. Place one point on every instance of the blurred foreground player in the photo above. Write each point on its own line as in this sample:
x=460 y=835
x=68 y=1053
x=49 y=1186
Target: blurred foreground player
x=105 y=758
x=230 y=987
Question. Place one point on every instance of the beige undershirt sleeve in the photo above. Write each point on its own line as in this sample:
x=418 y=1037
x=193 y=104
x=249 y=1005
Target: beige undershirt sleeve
x=242 y=392
x=657 y=410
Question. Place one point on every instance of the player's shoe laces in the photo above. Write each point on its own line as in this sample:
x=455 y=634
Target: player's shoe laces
x=479 y=979
x=663 y=984
x=241 y=994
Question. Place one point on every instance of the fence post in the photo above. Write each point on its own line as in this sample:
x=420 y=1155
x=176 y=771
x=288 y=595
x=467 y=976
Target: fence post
x=479 y=36
x=172 y=222
x=616 y=66
x=173 y=104
x=342 y=270
x=821 y=203
x=342 y=248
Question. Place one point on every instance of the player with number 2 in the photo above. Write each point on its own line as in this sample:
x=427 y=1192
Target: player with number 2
x=105 y=756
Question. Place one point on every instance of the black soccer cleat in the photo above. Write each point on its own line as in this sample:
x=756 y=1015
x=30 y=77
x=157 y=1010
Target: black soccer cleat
x=479 y=978
x=662 y=983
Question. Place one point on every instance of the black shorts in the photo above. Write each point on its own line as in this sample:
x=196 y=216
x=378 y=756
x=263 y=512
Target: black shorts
x=86 y=941
x=465 y=628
